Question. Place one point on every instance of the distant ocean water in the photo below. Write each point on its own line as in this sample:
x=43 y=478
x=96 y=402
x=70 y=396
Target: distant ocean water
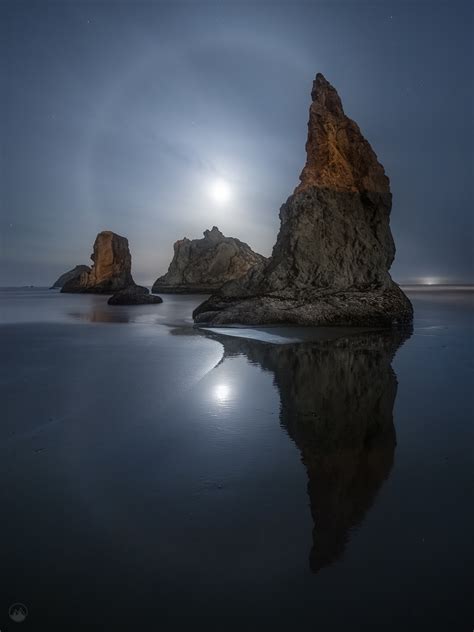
x=157 y=475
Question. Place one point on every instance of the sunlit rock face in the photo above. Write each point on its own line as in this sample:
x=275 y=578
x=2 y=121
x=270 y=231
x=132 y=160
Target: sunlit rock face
x=336 y=403
x=330 y=264
x=204 y=265
x=70 y=275
x=111 y=270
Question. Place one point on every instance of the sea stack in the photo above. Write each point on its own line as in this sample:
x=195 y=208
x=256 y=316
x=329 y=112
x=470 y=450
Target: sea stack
x=111 y=271
x=330 y=264
x=204 y=265
x=69 y=276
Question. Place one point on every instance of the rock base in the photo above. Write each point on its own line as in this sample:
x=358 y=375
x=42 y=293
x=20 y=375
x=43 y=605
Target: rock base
x=185 y=289
x=369 y=308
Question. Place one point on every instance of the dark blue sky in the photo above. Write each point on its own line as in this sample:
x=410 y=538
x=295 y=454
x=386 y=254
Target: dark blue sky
x=121 y=116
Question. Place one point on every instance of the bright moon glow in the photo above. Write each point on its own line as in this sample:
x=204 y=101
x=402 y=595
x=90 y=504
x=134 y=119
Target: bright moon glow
x=222 y=392
x=220 y=191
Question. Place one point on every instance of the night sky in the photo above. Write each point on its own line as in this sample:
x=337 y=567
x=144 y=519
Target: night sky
x=122 y=116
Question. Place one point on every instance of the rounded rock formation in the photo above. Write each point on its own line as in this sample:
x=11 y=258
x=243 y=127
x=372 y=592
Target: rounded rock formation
x=134 y=295
x=202 y=266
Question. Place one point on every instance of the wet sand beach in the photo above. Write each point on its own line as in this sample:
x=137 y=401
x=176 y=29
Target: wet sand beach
x=161 y=476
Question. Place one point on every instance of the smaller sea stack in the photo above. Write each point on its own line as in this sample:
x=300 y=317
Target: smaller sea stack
x=202 y=266
x=111 y=271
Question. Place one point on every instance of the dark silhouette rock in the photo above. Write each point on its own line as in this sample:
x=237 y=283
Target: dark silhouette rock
x=134 y=295
x=204 y=265
x=111 y=271
x=336 y=403
x=70 y=275
x=330 y=264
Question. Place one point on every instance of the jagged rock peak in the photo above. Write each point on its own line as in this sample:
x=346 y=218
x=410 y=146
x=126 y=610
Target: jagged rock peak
x=214 y=234
x=338 y=156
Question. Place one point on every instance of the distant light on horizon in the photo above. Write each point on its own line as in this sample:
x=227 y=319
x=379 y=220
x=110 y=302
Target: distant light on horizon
x=430 y=281
x=220 y=191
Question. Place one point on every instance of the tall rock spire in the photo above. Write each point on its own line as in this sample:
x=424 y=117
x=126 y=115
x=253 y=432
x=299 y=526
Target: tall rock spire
x=338 y=156
x=330 y=264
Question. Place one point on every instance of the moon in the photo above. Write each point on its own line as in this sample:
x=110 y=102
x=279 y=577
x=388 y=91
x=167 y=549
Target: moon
x=220 y=191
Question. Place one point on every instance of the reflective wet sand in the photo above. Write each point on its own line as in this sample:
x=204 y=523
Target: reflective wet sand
x=156 y=475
